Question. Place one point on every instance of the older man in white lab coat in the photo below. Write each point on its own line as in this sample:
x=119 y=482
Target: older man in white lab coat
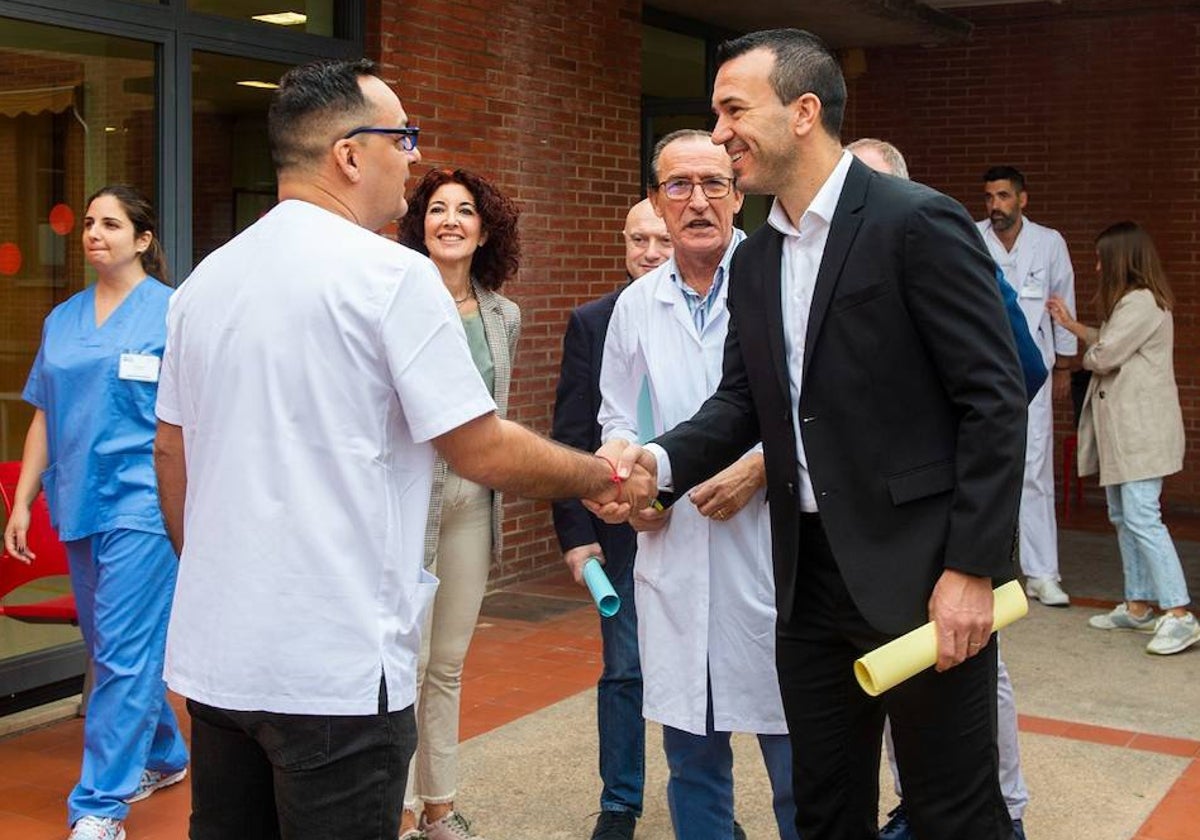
x=703 y=578
x=1036 y=264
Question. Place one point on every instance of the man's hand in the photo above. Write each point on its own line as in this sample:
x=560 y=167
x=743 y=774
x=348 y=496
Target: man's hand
x=730 y=490
x=961 y=607
x=578 y=556
x=650 y=519
x=638 y=472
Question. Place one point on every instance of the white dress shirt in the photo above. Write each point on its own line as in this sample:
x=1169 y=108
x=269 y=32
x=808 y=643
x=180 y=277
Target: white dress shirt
x=803 y=249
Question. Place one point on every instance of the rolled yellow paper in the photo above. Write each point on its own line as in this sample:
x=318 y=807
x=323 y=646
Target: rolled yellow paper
x=889 y=665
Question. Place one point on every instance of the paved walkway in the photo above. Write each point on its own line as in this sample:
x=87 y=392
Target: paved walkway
x=1110 y=736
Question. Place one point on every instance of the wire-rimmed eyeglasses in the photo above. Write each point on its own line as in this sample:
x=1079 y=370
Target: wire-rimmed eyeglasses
x=681 y=189
x=406 y=137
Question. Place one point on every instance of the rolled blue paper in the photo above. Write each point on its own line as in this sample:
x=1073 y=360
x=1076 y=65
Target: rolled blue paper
x=607 y=600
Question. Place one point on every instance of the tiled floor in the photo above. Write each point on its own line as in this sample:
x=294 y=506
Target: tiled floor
x=514 y=668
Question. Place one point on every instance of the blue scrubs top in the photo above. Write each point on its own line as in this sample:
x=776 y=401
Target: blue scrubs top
x=100 y=427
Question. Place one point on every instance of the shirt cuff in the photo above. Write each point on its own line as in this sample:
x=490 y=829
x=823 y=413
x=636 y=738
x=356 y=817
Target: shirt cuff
x=665 y=479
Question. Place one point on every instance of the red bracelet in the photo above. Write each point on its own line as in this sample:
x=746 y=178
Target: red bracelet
x=616 y=479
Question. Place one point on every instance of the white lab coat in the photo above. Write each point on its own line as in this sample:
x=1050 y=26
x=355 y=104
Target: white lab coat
x=1038 y=267
x=704 y=590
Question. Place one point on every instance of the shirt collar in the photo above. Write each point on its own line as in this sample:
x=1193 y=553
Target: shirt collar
x=823 y=205
x=722 y=269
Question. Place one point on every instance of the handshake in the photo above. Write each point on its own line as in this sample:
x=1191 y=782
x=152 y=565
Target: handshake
x=630 y=494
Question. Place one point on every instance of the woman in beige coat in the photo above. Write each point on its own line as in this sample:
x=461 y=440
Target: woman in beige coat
x=1131 y=431
x=469 y=229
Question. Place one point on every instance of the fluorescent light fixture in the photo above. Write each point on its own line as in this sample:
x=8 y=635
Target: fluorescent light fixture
x=110 y=129
x=283 y=18
x=254 y=83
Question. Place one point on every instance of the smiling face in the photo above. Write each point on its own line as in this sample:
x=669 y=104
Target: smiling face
x=453 y=229
x=756 y=129
x=697 y=224
x=110 y=243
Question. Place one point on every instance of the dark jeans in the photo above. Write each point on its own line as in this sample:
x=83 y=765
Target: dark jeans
x=266 y=776
x=943 y=725
x=622 y=730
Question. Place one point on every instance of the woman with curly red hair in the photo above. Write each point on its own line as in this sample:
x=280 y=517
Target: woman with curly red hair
x=469 y=229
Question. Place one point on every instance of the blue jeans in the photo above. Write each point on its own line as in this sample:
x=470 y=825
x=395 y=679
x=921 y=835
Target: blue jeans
x=700 y=789
x=123 y=583
x=619 y=693
x=1152 y=569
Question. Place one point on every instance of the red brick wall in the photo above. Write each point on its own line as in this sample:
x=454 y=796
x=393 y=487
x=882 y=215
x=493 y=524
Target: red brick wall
x=1098 y=103
x=543 y=97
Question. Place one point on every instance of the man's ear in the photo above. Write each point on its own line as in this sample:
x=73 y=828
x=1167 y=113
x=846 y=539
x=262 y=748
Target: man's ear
x=805 y=113
x=347 y=156
x=1024 y=197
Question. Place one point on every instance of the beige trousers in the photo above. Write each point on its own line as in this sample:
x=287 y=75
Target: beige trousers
x=463 y=559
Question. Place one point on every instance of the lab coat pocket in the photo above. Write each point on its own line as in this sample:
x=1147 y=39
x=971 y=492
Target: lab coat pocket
x=650 y=559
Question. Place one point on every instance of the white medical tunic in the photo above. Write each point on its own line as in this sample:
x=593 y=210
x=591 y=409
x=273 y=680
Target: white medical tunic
x=309 y=363
x=705 y=590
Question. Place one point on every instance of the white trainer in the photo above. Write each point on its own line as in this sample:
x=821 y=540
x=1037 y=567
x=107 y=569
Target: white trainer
x=1048 y=591
x=91 y=827
x=153 y=780
x=1175 y=633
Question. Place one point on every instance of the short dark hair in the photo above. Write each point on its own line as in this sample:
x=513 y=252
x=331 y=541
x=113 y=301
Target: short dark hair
x=1006 y=173
x=667 y=140
x=308 y=99
x=803 y=64
x=141 y=215
x=495 y=260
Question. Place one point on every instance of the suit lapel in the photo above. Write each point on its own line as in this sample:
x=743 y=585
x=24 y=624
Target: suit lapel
x=773 y=293
x=497 y=340
x=842 y=230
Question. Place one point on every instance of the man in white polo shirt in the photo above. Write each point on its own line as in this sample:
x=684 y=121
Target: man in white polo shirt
x=310 y=365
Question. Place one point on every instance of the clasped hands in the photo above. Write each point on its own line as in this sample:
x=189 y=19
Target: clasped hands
x=633 y=503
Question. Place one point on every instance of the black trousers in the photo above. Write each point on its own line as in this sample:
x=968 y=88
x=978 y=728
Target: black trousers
x=944 y=725
x=267 y=776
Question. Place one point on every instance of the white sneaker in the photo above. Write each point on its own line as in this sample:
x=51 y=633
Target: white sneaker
x=97 y=828
x=153 y=780
x=1048 y=591
x=1174 y=634
x=1122 y=619
x=453 y=826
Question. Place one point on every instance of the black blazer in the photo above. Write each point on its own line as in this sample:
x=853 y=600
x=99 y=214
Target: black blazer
x=576 y=405
x=912 y=403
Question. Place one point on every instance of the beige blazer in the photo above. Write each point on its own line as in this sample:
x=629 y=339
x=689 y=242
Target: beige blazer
x=502 y=327
x=1131 y=427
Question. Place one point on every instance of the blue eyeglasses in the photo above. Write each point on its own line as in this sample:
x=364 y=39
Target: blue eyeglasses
x=406 y=138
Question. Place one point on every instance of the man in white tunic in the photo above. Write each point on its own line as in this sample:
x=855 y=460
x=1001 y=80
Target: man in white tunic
x=1036 y=264
x=703 y=579
x=311 y=369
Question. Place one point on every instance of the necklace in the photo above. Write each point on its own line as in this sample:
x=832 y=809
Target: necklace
x=460 y=301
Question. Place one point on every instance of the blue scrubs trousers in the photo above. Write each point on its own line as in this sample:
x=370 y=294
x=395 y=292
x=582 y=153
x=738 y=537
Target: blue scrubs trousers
x=123 y=583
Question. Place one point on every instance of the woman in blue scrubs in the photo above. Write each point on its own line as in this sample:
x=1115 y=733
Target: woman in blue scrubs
x=94 y=384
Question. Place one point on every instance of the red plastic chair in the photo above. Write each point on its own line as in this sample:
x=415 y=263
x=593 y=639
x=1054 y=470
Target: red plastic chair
x=51 y=560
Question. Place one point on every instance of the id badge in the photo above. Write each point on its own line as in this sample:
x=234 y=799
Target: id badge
x=1034 y=285
x=139 y=367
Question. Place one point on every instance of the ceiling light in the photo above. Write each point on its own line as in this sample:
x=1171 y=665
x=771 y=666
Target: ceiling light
x=283 y=18
x=253 y=83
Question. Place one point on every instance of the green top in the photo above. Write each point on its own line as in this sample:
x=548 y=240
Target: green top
x=477 y=341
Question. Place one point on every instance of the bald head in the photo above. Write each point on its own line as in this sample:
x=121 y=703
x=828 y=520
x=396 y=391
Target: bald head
x=647 y=244
x=880 y=156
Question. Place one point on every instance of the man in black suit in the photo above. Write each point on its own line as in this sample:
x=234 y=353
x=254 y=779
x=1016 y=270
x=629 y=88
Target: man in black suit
x=870 y=353
x=622 y=732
